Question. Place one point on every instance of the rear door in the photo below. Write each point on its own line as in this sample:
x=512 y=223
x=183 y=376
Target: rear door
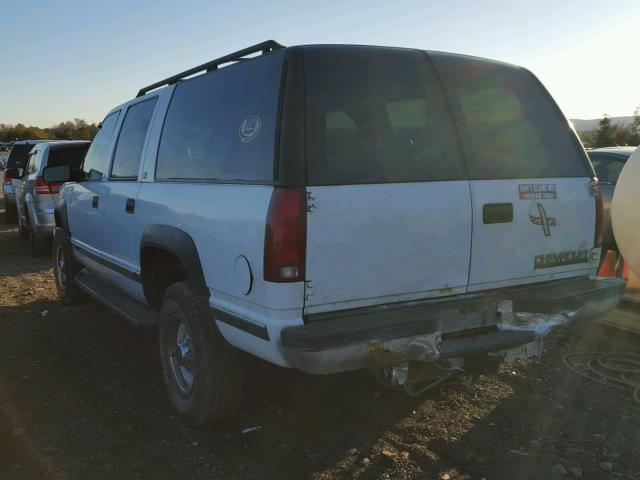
x=389 y=204
x=533 y=210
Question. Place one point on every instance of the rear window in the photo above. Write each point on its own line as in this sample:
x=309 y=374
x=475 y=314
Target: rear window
x=72 y=155
x=18 y=155
x=376 y=115
x=509 y=125
x=221 y=126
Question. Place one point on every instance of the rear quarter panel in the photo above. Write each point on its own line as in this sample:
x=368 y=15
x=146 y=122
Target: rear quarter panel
x=226 y=222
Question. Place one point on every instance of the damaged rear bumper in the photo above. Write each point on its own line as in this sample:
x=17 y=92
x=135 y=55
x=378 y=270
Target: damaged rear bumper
x=509 y=322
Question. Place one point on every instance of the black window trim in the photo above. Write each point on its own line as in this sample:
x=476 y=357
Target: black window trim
x=133 y=103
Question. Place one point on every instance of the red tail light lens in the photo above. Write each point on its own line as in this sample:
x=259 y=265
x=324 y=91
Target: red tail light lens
x=285 y=240
x=597 y=240
x=42 y=187
x=7 y=180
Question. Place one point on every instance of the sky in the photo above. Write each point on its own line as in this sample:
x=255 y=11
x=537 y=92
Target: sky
x=65 y=59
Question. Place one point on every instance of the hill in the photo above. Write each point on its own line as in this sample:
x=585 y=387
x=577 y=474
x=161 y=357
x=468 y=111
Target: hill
x=587 y=125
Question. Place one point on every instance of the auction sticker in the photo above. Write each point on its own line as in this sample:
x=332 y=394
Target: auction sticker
x=537 y=191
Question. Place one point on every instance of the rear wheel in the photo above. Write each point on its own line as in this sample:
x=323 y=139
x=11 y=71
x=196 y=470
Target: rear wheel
x=65 y=269
x=10 y=213
x=202 y=373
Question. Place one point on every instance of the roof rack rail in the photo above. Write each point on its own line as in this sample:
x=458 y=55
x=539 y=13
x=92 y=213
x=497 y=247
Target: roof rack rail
x=264 y=47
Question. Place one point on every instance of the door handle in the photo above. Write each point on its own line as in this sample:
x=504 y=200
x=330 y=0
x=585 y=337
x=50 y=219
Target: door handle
x=497 y=213
x=94 y=201
x=130 y=205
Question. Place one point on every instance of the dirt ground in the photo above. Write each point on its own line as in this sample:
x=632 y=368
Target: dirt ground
x=81 y=397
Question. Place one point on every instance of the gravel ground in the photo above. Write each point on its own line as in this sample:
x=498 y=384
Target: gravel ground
x=81 y=396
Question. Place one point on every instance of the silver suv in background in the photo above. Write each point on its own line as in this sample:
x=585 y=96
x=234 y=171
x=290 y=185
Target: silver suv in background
x=608 y=163
x=35 y=199
x=14 y=167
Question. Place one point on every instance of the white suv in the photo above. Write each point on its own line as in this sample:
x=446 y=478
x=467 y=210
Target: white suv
x=331 y=208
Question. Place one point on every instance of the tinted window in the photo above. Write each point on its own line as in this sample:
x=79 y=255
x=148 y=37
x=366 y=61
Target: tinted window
x=607 y=169
x=221 y=125
x=376 y=115
x=96 y=160
x=18 y=155
x=126 y=160
x=65 y=154
x=509 y=125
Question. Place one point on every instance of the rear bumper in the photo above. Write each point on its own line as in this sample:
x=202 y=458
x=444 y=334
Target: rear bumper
x=502 y=321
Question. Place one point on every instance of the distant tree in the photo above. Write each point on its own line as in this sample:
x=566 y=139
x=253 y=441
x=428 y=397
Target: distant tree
x=588 y=138
x=78 y=129
x=634 y=138
x=606 y=133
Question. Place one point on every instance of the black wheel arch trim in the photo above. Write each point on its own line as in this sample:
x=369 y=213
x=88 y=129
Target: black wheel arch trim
x=179 y=243
x=61 y=217
x=255 y=329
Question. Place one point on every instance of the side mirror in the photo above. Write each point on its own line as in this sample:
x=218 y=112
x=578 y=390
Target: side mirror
x=11 y=173
x=60 y=174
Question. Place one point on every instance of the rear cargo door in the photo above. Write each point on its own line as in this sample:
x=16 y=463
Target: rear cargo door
x=389 y=204
x=533 y=210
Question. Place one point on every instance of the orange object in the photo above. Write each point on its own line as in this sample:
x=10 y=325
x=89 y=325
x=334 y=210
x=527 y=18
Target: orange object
x=608 y=267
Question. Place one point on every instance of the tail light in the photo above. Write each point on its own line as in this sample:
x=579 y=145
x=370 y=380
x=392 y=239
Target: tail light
x=285 y=239
x=597 y=239
x=7 y=179
x=43 y=187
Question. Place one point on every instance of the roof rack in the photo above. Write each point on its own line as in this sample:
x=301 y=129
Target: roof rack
x=264 y=47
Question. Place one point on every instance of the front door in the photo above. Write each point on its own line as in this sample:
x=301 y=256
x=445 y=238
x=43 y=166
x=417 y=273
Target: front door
x=85 y=199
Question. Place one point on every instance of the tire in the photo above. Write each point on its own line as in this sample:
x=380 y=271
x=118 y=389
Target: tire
x=10 y=213
x=38 y=245
x=65 y=273
x=203 y=374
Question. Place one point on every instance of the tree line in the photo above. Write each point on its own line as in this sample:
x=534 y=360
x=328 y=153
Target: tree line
x=78 y=129
x=609 y=134
x=606 y=135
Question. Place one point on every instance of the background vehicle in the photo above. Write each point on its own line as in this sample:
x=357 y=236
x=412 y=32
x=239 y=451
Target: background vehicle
x=17 y=158
x=376 y=208
x=35 y=199
x=607 y=163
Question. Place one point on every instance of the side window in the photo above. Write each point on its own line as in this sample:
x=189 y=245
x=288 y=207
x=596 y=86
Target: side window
x=96 y=161
x=615 y=167
x=34 y=162
x=607 y=169
x=221 y=126
x=126 y=160
x=27 y=166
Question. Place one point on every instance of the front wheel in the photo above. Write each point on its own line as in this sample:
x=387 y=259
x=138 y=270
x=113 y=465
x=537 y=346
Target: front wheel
x=203 y=374
x=65 y=269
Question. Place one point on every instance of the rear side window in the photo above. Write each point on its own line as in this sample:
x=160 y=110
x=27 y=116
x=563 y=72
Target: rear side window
x=376 y=115
x=18 y=155
x=607 y=168
x=509 y=125
x=221 y=126
x=96 y=161
x=126 y=160
x=71 y=155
